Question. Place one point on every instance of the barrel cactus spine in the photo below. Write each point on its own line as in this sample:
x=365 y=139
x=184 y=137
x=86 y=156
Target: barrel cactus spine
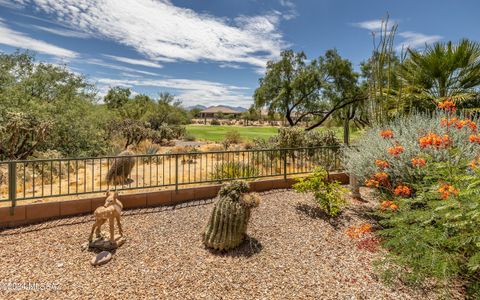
x=229 y=219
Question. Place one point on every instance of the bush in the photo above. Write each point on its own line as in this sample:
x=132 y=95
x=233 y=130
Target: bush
x=215 y=122
x=189 y=137
x=406 y=131
x=232 y=137
x=233 y=170
x=328 y=195
x=426 y=168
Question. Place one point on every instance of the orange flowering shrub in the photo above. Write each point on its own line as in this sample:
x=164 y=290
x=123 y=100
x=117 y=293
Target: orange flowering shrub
x=396 y=150
x=378 y=179
x=382 y=163
x=388 y=204
x=372 y=183
x=359 y=231
x=447 y=105
x=418 y=162
x=402 y=191
x=387 y=134
x=447 y=122
x=434 y=140
x=446 y=190
x=474 y=163
x=474 y=138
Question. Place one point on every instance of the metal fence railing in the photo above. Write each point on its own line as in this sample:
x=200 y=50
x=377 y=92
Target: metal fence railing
x=45 y=178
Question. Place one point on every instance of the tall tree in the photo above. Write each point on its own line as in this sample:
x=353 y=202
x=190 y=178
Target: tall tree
x=341 y=87
x=117 y=97
x=299 y=90
x=290 y=86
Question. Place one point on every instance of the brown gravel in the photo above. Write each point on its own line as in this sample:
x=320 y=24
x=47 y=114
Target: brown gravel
x=293 y=253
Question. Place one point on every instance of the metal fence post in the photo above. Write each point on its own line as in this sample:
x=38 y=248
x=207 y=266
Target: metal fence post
x=12 y=184
x=285 y=164
x=176 y=172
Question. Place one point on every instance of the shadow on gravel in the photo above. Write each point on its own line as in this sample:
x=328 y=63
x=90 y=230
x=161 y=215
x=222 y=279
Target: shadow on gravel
x=315 y=212
x=248 y=248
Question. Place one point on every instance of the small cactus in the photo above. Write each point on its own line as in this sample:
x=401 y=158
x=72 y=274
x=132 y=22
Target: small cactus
x=228 y=223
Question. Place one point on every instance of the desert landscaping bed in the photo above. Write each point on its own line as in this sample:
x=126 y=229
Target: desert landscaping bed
x=293 y=252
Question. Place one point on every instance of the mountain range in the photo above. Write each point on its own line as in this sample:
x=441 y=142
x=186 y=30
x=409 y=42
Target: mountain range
x=202 y=107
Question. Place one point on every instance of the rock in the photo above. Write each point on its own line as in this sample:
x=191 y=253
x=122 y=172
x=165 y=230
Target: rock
x=105 y=244
x=101 y=258
x=84 y=246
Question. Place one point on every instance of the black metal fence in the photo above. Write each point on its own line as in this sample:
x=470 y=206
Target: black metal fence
x=46 y=178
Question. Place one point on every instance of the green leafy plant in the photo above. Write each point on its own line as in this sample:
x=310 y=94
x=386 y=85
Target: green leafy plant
x=329 y=195
x=231 y=137
x=232 y=170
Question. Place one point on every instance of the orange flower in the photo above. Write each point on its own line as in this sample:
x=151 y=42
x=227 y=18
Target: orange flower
x=434 y=140
x=395 y=151
x=372 y=182
x=474 y=138
x=388 y=204
x=387 y=134
x=382 y=163
x=448 y=122
x=472 y=125
x=459 y=124
x=447 y=189
x=418 y=162
x=447 y=105
x=474 y=163
x=382 y=176
x=403 y=191
x=358 y=231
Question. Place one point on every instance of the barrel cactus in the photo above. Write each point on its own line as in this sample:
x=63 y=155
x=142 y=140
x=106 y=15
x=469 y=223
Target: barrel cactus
x=228 y=223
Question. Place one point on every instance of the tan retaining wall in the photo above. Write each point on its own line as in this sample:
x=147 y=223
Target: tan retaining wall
x=38 y=212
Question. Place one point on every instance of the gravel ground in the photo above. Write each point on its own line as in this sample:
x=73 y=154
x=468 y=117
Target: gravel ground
x=293 y=252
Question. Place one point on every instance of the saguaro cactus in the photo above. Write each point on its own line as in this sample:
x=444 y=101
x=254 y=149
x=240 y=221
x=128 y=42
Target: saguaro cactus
x=228 y=222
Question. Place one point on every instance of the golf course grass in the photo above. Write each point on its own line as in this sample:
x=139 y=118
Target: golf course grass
x=217 y=133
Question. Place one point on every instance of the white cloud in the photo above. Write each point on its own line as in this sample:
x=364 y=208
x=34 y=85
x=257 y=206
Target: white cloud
x=132 y=61
x=291 y=12
x=18 y=39
x=159 y=30
x=62 y=32
x=231 y=66
x=416 y=40
x=9 y=4
x=372 y=25
x=410 y=39
x=190 y=91
x=98 y=62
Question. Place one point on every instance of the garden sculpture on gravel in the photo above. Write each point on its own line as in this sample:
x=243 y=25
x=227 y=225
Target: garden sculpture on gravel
x=110 y=212
x=122 y=167
x=228 y=223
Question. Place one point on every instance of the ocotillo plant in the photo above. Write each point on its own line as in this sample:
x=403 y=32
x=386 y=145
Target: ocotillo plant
x=228 y=222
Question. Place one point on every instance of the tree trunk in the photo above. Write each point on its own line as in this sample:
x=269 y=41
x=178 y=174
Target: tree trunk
x=346 y=131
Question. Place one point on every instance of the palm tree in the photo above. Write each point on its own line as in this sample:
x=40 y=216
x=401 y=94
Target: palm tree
x=442 y=70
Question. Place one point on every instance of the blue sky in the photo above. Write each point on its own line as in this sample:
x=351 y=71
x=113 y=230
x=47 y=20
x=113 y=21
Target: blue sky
x=214 y=51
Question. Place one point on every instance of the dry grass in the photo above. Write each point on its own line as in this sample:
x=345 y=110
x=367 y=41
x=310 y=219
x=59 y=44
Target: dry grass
x=293 y=252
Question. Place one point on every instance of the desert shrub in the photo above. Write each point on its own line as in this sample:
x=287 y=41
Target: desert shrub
x=314 y=138
x=328 y=195
x=186 y=154
x=178 y=131
x=21 y=134
x=425 y=167
x=214 y=122
x=233 y=170
x=189 y=137
x=406 y=132
x=231 y=137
